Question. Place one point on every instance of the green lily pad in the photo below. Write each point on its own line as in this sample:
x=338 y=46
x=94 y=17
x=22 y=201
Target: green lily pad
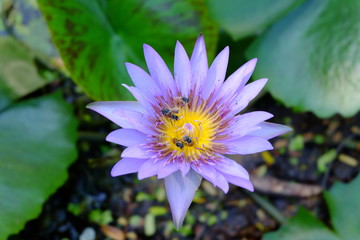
x=242 y=18
x=96 y=38
x=312 y=58
x=344 y=206
x=18 y=74
x=303 y=226
x=37 y=144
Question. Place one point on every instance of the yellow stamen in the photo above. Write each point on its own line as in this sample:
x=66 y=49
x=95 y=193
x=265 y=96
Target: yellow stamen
x=191 y=135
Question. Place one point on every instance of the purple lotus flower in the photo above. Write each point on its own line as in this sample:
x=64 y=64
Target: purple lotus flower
x=181 y=126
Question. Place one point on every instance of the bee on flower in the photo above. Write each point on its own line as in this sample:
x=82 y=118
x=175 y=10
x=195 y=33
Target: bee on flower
x=181 y=125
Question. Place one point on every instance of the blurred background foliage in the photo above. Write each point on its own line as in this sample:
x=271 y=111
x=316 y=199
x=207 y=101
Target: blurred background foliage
x=309 y=49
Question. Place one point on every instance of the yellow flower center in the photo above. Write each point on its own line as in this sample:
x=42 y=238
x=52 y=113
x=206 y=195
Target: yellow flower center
x=188 y=132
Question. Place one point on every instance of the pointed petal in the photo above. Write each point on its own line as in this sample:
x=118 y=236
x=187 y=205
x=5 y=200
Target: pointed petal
x=182 y=70
x=144 y=98
x=199 y=65
x=246 y=123
x=230 y=167
x=136 y=119
x=216 y=73
x=158 y=69
x=239 y=181
x=136 y=152
x=180 y=191
x=212 y=175
x=127 y=114
x=184 y=168
x=168 y=169
x=149 y=168
x=126 y=137
x=238 y=79
x=126 y=166
x=269 y=130
x=248 y=145
x=142 y=80
x=248 y=93
x=109 y=106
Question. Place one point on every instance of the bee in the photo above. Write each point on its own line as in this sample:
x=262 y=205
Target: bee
x=185 y=99
x=165 y=111
x=174 y=117
x=182 y=101
x=178 y=143
x=170 y=112
x=188 y=140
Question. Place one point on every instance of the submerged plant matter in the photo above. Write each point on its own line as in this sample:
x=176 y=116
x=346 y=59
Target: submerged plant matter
x=181 y=125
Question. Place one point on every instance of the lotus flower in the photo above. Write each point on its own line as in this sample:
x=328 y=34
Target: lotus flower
x=181 y=125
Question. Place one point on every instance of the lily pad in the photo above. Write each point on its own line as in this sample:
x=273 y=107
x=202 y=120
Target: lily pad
x=344 y=206
x=96 y=38
x=18 y=74
x=312 y=58
x=242 y=18
x=37 y=144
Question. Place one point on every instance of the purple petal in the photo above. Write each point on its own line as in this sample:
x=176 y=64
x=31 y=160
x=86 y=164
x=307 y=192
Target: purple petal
x=158 y=69
x=213 y=176
x=247 y=122
x=142 y=80
x=180 y=191
x=126 y=137
x=238 y=79
x=269 y=130
x=145 y=99
x=239 y=181
x=199 y=64
x=126 y=166
x=216 y=73
x=168 y=169
x=247 y=145
x=136 y=152
x=149 y=168
x=182 y=70
x=107 y=106
x=230 y=167
x=125 y=114
x=184 y=168
x=248 y=93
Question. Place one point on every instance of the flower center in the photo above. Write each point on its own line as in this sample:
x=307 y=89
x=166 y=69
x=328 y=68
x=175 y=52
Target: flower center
x=188 y=132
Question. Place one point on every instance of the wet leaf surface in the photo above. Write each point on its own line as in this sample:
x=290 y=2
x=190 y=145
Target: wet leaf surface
x=34 y=157
x=95 y=43
x=18 y=74
x=242 y=18
x=311 y=58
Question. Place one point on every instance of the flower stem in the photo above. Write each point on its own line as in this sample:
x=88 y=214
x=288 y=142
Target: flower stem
x=268 y=207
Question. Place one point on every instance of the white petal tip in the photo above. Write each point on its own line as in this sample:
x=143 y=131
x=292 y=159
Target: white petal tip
x=110 y=138
x=263 y=80
x=141 y=177
x=287 y=129
x=178 y=224
x=146 y=46
x=225 y=190
x=90 y=105
x=113 y=172
x=250 y=189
